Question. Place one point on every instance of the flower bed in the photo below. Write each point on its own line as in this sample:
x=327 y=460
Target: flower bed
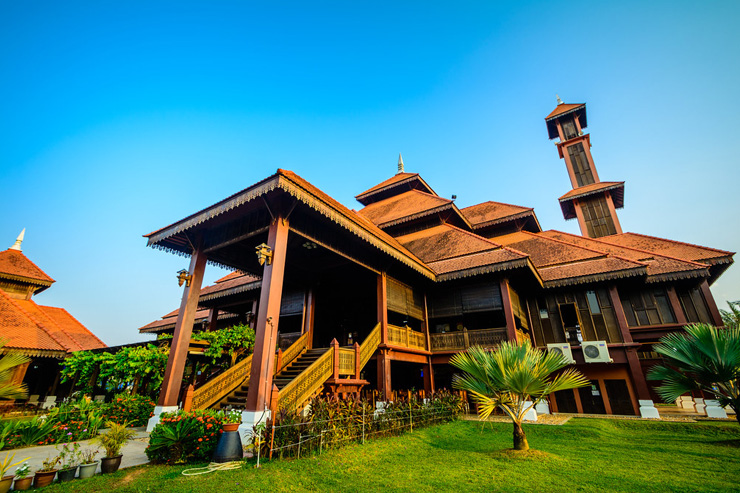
x=185 y=436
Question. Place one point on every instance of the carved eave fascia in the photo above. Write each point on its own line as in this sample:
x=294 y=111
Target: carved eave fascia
x=252 y=286
x=27 y=280
x=523 y=263
x=434 y=210
x=36 y=353
x=279 y=181
x=640 y=271
x=678 y=276
x=505 y=219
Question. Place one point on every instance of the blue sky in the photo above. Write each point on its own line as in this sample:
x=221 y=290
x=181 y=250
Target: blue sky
x=117 y=118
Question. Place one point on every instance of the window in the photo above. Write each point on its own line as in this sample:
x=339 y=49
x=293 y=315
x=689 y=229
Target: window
x=598 y=219
x=647 y=308
x=569 y=128
x=580 y=165
x=694 y=306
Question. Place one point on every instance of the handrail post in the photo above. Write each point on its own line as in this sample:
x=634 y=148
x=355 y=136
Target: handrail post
x=466 y=338
x=279 y=361
x=187 y=404
x=357 y=361
x=335 y=355
x=408 y=329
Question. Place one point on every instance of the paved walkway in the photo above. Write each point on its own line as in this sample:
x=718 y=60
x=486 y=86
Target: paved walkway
x=133 y=452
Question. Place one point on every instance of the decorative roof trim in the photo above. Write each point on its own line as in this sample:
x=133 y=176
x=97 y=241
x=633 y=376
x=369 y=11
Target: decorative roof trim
x=36 y=353
x=416 y=215
x=28 y=280
x=678 y=275
x=485 y=269
x=282 y=182
x=572 y=110
x=505 y=219
x=371 y=192
x=605 y=276
x=616 y=185
x=230 y=291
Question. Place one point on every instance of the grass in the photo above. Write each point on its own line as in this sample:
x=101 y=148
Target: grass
x=582 y=455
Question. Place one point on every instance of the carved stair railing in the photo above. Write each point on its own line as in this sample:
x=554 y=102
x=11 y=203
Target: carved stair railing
x=291 y=354
x=216 y=389
x=311 y=380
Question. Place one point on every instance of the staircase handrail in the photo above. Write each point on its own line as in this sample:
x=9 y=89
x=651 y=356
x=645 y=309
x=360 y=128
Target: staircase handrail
x=214 y=390
x=293 y=352
x=369 y=345
x=303 y=386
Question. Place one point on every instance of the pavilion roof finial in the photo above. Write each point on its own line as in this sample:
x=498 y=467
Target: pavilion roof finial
x=560 y=101
x=400 y=163
x=18 y=241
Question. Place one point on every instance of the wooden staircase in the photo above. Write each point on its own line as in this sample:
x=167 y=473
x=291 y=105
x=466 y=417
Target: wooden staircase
x=291 y=371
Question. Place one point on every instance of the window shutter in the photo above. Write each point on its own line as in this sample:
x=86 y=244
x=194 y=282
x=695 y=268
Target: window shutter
x=291 y=303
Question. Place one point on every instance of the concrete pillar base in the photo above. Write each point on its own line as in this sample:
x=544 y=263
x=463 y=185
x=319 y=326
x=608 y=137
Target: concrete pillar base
x=648 y=410
x=542 y=407
x=531 y=414
x=250 y=419
x=154 y=420
x=700 y=405
x=714 y=410
x=686 y=402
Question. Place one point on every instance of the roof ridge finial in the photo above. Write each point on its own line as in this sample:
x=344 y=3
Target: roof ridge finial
x=560 y=101
x=18 y=241
x=400 y=163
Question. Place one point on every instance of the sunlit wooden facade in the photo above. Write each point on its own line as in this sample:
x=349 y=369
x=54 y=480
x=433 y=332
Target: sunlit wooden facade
x=381 y=298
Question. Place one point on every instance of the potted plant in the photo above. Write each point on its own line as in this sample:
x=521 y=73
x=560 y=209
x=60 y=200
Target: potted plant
x=232 y=420
x=22 y=479
x=45 y=475
x=112 y=442
x=69 y=460
x=88 y=465
x=5 y=465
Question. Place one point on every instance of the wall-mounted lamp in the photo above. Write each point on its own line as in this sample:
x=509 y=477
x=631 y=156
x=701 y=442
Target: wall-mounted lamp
x=264 y=254
x=184 y=276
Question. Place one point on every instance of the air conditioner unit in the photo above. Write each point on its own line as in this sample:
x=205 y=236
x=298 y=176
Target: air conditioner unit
x=596 y=352
x=562 y=348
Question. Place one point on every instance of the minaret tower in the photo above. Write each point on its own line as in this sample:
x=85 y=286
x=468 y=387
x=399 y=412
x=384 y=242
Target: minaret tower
x=592 y=201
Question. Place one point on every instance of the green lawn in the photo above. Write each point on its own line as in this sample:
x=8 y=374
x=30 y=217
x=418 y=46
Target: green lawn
x=582 y=455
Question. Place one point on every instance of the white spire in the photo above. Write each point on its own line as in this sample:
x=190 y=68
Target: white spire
x=18 y=241
x=560 y=101
x=400 y=163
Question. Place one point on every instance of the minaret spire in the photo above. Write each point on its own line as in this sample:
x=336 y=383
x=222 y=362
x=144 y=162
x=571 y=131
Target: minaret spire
x=18 y=241
x=560 y=101
x=400 y=163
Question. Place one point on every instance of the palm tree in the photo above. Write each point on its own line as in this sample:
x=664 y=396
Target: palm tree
x=731 y=317
x=8 y=389
x=703 y=358
x=514 y=377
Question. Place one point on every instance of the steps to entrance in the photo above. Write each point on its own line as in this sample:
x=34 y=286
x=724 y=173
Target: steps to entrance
x=299 y=365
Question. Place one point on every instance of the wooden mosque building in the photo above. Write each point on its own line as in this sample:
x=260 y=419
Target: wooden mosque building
x=45 y=334
x=384 y=296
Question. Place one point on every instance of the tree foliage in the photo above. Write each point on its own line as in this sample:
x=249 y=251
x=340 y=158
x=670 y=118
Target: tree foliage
x=8 y=363
x=514 y=378
x=731 y=317
x=703 y=358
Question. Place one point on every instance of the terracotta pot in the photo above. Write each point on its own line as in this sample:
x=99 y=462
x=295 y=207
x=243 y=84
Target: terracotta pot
x=44 y=478
x=110 y=464
x=230 y=426
x=5 y=484
x=88 y=470
x=23 y=484
x=65 y=475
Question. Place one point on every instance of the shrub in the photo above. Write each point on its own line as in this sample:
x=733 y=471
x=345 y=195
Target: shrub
x=183 y=436
x=134 y=409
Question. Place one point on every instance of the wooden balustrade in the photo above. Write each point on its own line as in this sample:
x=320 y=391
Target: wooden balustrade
x=346 y=361
x=406 y=337
x=214 y=390
x=463 y=339
x=308 y=383
x=292 y=353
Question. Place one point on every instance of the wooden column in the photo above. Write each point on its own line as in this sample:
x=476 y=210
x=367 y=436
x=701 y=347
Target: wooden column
x=310 y=311
x=619 y=312
x=508 y=311
x=709 y=299
x=173 y=372
x=384 y=374
x=266 y=327
x=676 y=306
x=212 y=319
x=638 y=377
x=428 y=376
x=383 y=308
